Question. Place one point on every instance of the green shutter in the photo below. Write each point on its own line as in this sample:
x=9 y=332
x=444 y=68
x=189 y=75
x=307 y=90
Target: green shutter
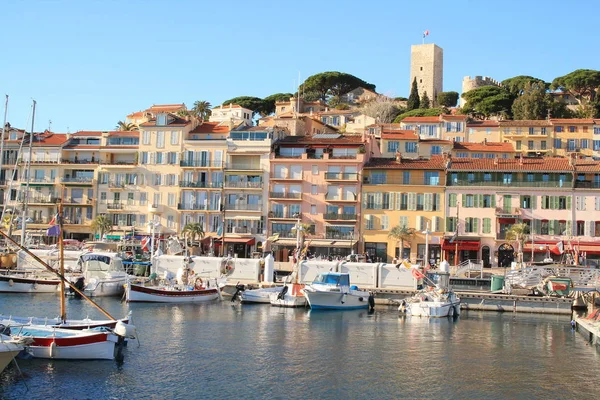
x=551 y=227
x=568 y=202
x=486 y=225
x=464 y=200
x=493 y=200
x=476 y=225
x=569 y=227
x=537 y=226
x=533 y=202
x=452 y=200
x=557 y=227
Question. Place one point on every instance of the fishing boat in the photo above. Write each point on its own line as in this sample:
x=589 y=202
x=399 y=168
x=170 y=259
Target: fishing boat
x=103 y=274
x=174 y=293
x=77 y=324
x=432 y=302
x=9 y=349
x=260 y=295
x=332 y=291
x=27 y=282
x=289 y=295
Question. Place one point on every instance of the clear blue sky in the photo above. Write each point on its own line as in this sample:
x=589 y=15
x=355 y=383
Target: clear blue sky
x=90 y=63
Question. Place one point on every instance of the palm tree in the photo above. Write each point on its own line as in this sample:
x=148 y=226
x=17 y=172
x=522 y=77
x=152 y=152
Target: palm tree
x=192 y=231
x=126 y=126
x=518 y=232
x=202 y=110
x=102 y=223
x=402 y=233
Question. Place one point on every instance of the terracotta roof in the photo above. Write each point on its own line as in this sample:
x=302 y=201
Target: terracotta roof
x=166 y=107
x=525 y=122
x=211 y=127
x=435 y=141
x=449 y=117
x=343 y=139
x=587 y=166
x=487 y=123
x=88 y=133
x=574 y=121
x=489 y=146
x=405 y=134
x=227 y=106
x=435 y=162
x=511 y=164
x=386 y=126
x=422 y=119
x=137 y=114
x=124 y=134
x=334 y=112
x=49 y=139
x=176 y=121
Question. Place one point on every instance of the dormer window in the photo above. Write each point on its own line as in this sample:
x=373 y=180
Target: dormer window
x=161 y=119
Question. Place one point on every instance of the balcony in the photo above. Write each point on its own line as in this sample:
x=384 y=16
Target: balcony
x=155 y=208
x=389 y=181
x=40 y=160
x=277 y=215
x=77 y=180
x=116 y=185
x=243 y=230
x=243 y=207
x=337 y=197
x=78 y=201
x=339 y=217
x=285 y=196
x=513 y=133
x=297 y=177
x=511 y=184
x=243 y=185
x=44 y=200
x=200 y=164
x=508 y=212
x=201 y=185
x=285 y=234
x=192 y=207
x=79 y=161
x=243 y=167
x=339 y=176
x=114 y=206
x=587 y=184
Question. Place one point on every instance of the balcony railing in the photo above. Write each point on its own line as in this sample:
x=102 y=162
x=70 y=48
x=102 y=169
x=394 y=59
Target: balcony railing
x=243 y=167
x=339 y=176
x=79 y=161
x=244 y=185
x=340 y=217
x=187 y=206
x=242 y=230
x=337 y=197
x=201 y=163
x=508 y=211
x=108 y=162
x=114 y=206
x=77 y=180
x=285 y=234
x=117 y=185
x=278 y=215
x=587 y=184
x=282 y=195
x=244 y=207
x=340 y=236
x=549 y=184
x=290 y=156
x=44 y=200
x=427 y=182
x=40 y=180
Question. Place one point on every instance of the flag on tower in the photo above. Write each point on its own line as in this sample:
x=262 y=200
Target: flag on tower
x=426 y=33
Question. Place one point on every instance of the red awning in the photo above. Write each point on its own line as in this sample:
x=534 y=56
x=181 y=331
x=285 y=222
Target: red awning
x=537 y=248
x=248 y=241
x=471 y=245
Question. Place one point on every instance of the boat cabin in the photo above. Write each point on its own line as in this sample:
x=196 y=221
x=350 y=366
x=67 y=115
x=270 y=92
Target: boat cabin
x=94 y=264
x=333 y=278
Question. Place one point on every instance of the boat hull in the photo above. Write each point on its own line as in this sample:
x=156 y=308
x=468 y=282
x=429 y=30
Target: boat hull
x=147 y=294
x=294 y=297
x=16 y=284
x=106 y=287
x=76 y=324
x=434 y=309
x=320 y=300
x=8 y=351
x=262 y=296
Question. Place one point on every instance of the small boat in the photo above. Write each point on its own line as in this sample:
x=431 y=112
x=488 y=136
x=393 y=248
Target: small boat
x=332 y=290
x=261 y=295
x=289 y=295
x=68 y=324
x=67 y=344
x=103 y=274
x=9 y=349
x=174 y=293
x=28 y=283
x=432 y=302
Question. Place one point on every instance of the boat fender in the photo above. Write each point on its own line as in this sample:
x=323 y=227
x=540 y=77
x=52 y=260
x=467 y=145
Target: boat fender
x=371 y=301
x=360 y=299
x=52 y=349
x=198 y=284
x=35 y=286
x=11 y=283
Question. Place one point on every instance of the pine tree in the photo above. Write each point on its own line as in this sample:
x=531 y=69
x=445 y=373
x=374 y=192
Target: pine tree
x=425 y=103
x=413 y=100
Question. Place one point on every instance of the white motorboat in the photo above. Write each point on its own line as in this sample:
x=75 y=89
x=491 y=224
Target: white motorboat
x=432 y=302
x=289 y=295
x=103 y=274
x=332 y=291
x=21 y=282
x=261 y=295
x=201 y=291
x=9 y=348
x=67 y=344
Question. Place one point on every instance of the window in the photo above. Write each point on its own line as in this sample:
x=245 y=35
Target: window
x=174 y=137
x=313 y=209
x=580 y=203
x=530 y=144
x=431 y=178
x=596 y=145
x=543 y=131
x=171 y=199
x=452 y=200
x=420 y=201
x=313 y=189
x=477 y=155
x=532 y=131
x=451 y=224
x=436 y=150
x=378 y=178
x=557 y=143
x=410 y=147
x=490 y=155
x=315 y=170
x=507 y=179
x=393 y=147
x=571 y=144
x=580 y=228
x=368 y=222
x=468 y=201
x=530 y=177
x=525 y=201
x=145 y=137
x=143 y=198
x=385 y=222
x=543 y=145
x=597 y=130
x=487 y=225
x=160 y=140
x=471 y=225
x=102 y=197
x=471 y=177
x=584 y=144
x=487 y=177
x=159 y=157
x=170 y=221
x=572 y=129
x=488 y=201
x=558 y=129
x=518 y=145
x=562 y=203
x=462 y=155
x=406 y=177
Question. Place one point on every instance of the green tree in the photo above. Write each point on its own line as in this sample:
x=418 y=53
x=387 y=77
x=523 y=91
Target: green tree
x=101 y=224
x=182 y=113
x=516 y=85
x=124 y=126
x=413 y=102
x=192 y=231
x=402 y=234
x=257 y=105
x=486 y=101
x=518 y=232
x=425 y=103
x=400 y=98
x=332 y=83
x=533 y=103
x=581 y=83
x=269 y=102
x=447 y=99
x=342 y=106
x=384 y=112
x=420 y=112
x=202 y=110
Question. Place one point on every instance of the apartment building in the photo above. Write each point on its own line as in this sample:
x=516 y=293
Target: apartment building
x=442 y=127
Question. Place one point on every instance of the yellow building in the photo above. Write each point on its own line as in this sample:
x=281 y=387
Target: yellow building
x=407 y=193
x=529 y=137
x=573 y=136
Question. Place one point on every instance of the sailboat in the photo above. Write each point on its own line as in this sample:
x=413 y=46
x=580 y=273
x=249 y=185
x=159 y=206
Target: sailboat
x=52 y=341
x=292 y=293
x=9 y=349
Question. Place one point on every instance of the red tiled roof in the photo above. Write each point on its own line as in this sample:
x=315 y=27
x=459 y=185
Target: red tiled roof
x=587 y=166
x=124 y=134
x=422 y=119
x=88 y=133
x=49 y=139
x=435 y=162
x=449 y=117
x=435 y=141
x=343 y=139
x=385 y=126
x=486 y=123
x=406 y=134
x=166 y=107
x=511 y=164
x=574 y=121
x=489 y=146
x=211 y=127
x=137 y=114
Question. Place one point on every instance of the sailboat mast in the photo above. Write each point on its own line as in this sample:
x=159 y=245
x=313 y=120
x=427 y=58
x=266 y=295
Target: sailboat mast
x=2 y=138
x=61 y=260
x=26 y=195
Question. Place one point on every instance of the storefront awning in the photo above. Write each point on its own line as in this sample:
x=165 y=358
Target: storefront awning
x=469 y=245
x=537 y=248
x=247 y=241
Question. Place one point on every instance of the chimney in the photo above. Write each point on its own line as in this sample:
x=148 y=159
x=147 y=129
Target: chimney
x=398 y=156
x=484 y=141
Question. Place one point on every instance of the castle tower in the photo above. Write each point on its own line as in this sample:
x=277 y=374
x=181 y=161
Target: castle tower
x=427 y=65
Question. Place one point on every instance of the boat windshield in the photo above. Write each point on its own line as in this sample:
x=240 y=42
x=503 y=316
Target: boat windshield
x=333 y=279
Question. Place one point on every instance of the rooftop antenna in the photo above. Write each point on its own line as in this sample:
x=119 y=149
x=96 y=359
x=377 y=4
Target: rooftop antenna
x=49 y=125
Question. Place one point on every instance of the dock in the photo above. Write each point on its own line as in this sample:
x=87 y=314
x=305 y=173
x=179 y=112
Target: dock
x=590 y=329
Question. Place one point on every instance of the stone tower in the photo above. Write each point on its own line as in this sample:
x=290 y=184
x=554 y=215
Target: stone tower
x=427 y=65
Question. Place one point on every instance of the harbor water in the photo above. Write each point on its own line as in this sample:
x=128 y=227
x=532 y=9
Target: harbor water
x=224 y=351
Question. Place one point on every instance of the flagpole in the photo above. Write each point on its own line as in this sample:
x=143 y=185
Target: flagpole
x=61 y=249
x=456 y=244
x=26 y=194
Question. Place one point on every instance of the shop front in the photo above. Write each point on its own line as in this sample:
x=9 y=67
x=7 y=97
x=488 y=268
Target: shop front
x=467 y=247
